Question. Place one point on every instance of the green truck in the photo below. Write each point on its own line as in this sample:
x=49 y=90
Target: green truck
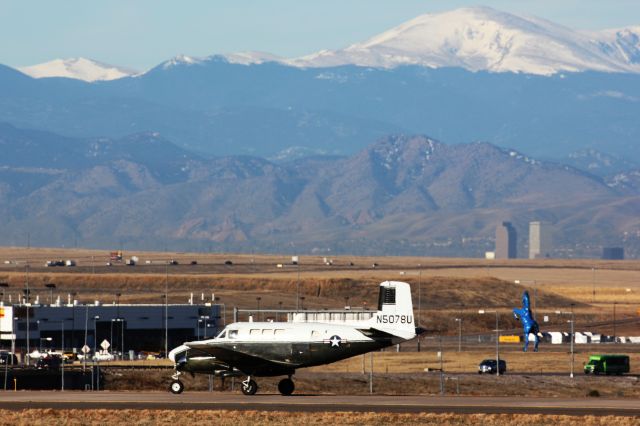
x=607 y=364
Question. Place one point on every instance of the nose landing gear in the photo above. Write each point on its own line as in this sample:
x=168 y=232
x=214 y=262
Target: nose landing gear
x=176 y=387
x=249 y=387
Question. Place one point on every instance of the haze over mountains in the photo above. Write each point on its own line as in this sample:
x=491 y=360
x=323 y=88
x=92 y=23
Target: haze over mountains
x=399 y=195
x=249 y=151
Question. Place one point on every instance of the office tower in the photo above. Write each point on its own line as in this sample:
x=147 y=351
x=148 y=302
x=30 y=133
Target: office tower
x=506 y=241
x=539 y=240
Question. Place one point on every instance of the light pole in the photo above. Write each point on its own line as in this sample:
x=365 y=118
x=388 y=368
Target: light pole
x=95 y=333
x=86 y=326
x=482 y=311
x=302 y=303
x=166 y=309
x=111 y=337
x=593 y=284
x=298 y=287
x=14 y=335
x=62 y=333
x=459 y=321
x=28 y=304
x=572 y=336
x=73 y=321
x=614 y=321
x=259 y=313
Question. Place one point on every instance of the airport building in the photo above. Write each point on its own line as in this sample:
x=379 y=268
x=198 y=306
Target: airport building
x=539 y=240
x=127 y=327
x=506 y=241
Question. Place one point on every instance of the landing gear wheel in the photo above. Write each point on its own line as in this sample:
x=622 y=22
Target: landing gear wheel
x=249 y=387
x=176 y=387
x=286 y=387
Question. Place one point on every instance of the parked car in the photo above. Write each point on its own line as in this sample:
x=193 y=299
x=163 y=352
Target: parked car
x=489 y=366
x=8 y=358
x=607 y=364
x=49 y=362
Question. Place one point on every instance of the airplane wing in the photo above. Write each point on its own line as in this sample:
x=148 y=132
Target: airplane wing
x=249 y=364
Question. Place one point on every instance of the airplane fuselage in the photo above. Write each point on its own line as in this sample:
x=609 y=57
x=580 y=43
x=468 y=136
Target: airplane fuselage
x=273 y=349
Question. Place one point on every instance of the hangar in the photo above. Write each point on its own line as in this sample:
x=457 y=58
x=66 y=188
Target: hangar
x=137 y=327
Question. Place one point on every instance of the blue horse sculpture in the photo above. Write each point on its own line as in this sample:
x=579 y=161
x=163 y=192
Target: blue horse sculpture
x=528 y=323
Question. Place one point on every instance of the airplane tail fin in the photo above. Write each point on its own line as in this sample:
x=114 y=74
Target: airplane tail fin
x=395 y=310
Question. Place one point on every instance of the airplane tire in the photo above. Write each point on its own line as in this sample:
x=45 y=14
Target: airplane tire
x=176 y=387
x=250 y=389
x=286 y=387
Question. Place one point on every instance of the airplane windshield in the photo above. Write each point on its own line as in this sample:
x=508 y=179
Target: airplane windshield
x=222 y=335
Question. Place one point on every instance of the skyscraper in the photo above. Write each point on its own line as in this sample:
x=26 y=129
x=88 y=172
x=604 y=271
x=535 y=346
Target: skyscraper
x=539 y=240
x=506 y=241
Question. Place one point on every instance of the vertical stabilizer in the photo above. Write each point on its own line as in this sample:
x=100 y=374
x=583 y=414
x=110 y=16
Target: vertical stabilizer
x=395 y=310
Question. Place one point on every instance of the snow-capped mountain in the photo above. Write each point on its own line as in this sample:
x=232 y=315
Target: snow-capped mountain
x=482 y=38
x=242 y=58
x=78 y=68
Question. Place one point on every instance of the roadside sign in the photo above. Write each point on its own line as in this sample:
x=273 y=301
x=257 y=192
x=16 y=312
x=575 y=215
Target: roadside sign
x=105 y=344
x=85 y=349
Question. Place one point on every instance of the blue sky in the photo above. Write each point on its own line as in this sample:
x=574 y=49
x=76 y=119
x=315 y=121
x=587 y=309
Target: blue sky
x=142 y=33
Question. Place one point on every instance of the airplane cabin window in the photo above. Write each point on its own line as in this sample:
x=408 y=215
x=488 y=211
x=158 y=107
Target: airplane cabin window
x=279 y=331
x=254 y=332
x=315 y=333
x=233 y=334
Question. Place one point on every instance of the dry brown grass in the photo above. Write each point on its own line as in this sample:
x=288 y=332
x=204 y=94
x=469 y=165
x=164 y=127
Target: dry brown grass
x=37 y=417
x=450 y=287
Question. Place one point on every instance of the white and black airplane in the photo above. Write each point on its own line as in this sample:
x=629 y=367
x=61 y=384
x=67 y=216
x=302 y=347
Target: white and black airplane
x=267 y=349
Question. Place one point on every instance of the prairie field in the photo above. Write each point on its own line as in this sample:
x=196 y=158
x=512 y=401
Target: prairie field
x=38 y=417
x=443 y=289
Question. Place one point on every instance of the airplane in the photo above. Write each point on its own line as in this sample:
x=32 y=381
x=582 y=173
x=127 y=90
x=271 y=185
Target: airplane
x=268 y=349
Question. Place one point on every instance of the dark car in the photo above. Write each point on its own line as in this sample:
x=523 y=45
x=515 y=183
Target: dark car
x=49 y=362
x=8 y=358
x=489 y=366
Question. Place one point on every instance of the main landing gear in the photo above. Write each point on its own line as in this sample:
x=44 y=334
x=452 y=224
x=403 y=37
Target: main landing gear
x=285 y=386
x=176 y=387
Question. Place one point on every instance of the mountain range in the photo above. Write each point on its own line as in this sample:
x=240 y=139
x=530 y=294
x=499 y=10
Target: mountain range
x=400 y=195
x=475 y=38
x=325 y=152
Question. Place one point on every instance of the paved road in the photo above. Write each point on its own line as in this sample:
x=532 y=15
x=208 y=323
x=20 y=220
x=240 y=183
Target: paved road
x=315 y=403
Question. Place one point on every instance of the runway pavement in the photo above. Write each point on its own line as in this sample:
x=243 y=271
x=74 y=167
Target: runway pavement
x=317 y=403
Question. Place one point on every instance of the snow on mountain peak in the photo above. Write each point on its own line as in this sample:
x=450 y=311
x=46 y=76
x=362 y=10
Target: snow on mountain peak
x=481 y=38
x=181 y=60
x=253 y=57
x=77 y=68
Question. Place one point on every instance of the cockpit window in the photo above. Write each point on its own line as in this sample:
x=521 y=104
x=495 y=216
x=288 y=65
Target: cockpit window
x=223 y=334
x=233 y=334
